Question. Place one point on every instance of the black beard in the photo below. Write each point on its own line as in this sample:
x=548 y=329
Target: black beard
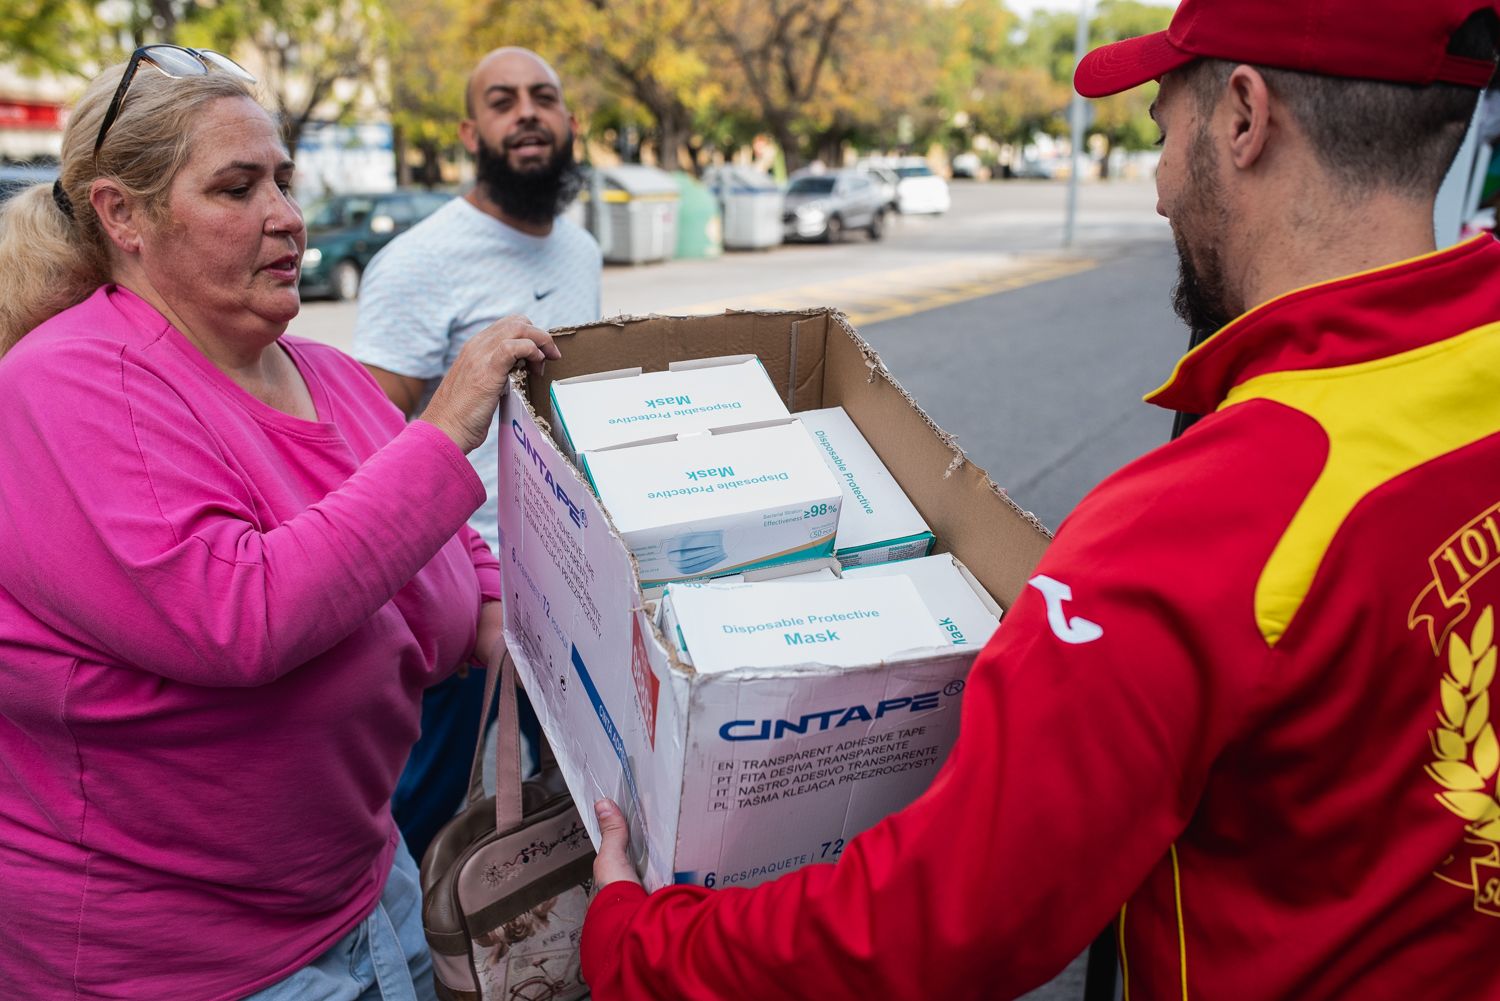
x=1201 y=296
x=536 y=196
x=1198 y=298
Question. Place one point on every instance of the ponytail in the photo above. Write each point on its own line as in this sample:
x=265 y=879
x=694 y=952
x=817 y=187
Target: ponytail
x=44 y=267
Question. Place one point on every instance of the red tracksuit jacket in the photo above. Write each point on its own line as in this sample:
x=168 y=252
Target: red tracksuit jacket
x=1248 y=694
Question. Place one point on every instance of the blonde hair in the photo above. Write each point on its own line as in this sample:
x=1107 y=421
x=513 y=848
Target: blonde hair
x=49 y=260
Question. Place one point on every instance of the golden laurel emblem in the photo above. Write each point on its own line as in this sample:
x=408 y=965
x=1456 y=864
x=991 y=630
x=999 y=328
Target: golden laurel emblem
x=1466 y=758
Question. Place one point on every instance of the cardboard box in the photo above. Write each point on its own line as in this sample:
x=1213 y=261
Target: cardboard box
x=629 y=720
x=877 y=523
x=967 y=615
x=718 y=502
x=607 y=409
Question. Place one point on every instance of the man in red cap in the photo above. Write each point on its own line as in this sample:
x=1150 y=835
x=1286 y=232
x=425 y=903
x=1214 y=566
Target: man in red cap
x=1245 y=707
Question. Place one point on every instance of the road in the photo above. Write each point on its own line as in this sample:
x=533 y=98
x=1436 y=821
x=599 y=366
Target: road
x=1042 y=384
x=1035 y=358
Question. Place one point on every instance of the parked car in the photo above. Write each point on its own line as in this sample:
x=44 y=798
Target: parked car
x=345 y=231
x=885 y=179
x=1030 y=167
x=919 y=191
x=826 y=206
x=967 y=165
x=17 y=177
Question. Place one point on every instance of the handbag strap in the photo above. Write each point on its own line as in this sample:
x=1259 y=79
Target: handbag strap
x=500 y=672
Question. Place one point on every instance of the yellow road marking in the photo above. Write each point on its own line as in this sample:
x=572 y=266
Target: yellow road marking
x=887 y=295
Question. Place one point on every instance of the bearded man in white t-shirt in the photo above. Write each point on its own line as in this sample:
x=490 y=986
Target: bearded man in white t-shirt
x=502 y=249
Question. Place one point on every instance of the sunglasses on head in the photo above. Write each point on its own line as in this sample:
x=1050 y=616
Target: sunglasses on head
x=175 y=61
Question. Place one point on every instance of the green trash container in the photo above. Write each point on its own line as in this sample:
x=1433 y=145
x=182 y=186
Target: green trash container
x=700 y=230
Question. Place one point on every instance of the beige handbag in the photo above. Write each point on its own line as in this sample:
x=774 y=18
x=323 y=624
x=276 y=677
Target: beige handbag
x=505 y=884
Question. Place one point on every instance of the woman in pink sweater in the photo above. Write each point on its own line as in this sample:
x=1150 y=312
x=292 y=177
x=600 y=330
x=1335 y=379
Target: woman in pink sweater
x=228 y=568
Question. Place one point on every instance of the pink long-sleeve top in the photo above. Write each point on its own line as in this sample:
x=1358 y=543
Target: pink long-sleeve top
x=216 y=621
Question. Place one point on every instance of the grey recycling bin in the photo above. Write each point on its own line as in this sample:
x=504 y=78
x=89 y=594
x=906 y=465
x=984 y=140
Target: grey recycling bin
x=635 y=217
x=752 y=203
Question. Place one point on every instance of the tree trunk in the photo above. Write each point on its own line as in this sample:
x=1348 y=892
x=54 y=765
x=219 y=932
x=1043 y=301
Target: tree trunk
x=164 y=19
x=668 y=141
x=431 y=172
x=398 y=149
x=673 y=122
x=829 y=147
x=791 y=148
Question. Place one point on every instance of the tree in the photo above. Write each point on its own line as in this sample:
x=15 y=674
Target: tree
x=430 y=47
x=308 y=54
x=1013 y=103
x=1124 y=119
x=143 y=22
x=623 y=62
x=657 y=51
x=820 y=73
x=38 y=36
x=972 y=39
x=882 y=81
x=661 y=63
x=782 y=48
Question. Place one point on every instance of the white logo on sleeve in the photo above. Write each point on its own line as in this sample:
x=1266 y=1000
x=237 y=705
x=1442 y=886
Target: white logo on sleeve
x=1074 y=630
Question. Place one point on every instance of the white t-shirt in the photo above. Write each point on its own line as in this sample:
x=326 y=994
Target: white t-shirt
x=452 y=275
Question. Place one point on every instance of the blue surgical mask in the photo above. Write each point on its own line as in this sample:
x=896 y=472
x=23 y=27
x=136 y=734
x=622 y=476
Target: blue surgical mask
x=695 y=552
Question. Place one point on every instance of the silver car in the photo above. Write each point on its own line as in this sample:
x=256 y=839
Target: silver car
x=885 y=179
x=826 y=206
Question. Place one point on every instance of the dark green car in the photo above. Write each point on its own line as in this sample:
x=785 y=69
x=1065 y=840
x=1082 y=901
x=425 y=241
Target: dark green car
x=345 y=231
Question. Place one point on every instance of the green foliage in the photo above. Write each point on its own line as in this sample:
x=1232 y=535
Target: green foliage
x=43 y=35
x=1124 y=119
x=430 y=46
x=694 y=75
x=1014 y=103
x=309 y=56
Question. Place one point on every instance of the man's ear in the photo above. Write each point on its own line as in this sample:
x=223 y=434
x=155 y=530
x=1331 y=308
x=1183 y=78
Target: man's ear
x=121 y=216
x=1249 y=107
x=468 y=134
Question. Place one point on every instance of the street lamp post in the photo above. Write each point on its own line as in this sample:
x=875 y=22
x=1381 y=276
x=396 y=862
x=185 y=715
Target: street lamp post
x=1078 y=110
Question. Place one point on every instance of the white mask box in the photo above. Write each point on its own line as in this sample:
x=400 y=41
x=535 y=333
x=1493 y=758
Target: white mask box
x=717 y=503
x=878 y=523
x=802 y=573
x=814 y=624
x=609 y=409
x=959 y=606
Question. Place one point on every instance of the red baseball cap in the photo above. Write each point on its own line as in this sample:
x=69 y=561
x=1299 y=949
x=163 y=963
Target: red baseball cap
x=1400 y=41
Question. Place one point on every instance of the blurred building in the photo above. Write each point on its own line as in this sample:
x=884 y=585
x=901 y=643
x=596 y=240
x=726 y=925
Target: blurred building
x=33 y=111
x=333 y=158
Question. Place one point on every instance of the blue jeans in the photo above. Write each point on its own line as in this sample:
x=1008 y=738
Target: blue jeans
x=385 y=958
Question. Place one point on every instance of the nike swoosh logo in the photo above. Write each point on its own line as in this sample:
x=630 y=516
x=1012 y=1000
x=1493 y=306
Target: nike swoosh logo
x=544 y=294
